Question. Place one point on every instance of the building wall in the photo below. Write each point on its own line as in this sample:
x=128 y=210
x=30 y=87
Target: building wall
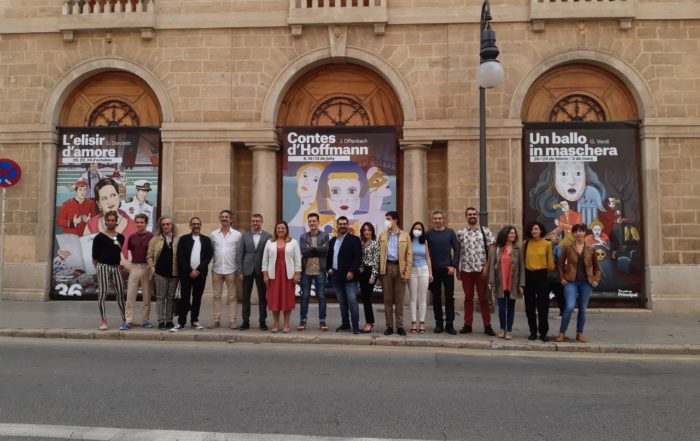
x=220 y=70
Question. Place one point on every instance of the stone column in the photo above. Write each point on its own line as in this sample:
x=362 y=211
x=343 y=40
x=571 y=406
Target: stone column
x=264 y=199
x=415 y=184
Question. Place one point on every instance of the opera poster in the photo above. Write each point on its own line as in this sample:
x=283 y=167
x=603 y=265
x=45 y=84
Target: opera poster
x=99 y=169
x=338 y=171
x=588 y=173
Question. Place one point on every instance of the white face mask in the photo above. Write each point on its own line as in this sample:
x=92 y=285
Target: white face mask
x=417 y=233
x=387 y=224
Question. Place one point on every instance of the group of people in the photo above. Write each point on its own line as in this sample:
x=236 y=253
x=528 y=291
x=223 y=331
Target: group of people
x=416 y=261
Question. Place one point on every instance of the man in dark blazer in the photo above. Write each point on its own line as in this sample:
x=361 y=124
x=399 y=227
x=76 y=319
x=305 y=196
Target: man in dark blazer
x=194 y=252
x=250 y=256
x=343 y=262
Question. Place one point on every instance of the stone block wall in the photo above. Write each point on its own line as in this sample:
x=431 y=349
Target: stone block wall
x=679 y=176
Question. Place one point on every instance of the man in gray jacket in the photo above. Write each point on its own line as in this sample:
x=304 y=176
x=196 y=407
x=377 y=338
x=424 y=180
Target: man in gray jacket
x=314 y=247
x=250 y=254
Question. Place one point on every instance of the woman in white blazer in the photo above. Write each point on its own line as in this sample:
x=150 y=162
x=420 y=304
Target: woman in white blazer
x=281 y=267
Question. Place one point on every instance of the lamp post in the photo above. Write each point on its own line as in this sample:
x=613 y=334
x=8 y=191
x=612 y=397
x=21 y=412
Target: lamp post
x=489 y=75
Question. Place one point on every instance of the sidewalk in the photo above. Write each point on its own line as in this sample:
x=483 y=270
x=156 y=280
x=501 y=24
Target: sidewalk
x=610 y=331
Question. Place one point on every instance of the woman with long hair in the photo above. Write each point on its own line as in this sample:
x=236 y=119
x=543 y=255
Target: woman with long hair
x=421 y=276
x=579 y=273
x=281 y=267
x=507 y=277
x=369 y=271
x=539 y=259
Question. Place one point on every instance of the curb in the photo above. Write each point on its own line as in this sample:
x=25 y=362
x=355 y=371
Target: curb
x=340 y=339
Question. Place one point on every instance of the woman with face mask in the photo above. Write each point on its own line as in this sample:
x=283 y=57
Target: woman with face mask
x=421 y=276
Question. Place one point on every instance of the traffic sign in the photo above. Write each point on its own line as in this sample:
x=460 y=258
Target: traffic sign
x=10 y=173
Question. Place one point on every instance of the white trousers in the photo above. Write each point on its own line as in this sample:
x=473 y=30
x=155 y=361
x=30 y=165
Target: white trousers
x=418 y=287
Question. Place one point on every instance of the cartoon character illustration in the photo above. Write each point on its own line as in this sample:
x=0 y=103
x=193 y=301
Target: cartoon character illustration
x=75 y=212
x=107 y=195
x=92 y=176
x=567 y=180
x=597 y=236
x=139 y=204
x=307 y=178
x=567 y=220
x=589 y=205
x=379 y=189
x=343 y=191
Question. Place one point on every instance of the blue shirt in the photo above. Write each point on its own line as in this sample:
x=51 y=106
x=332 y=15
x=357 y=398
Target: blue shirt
x=393 y=246
x=336 y=250
x=418 y=254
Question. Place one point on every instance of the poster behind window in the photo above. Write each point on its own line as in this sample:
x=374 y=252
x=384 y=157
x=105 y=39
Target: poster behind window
x=99 y=169
x=588 y=173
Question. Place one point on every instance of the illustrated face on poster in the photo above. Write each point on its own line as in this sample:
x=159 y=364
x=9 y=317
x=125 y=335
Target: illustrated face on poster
x=99 y=170
x=307 y=180
x=586 y=173
x=570 y=179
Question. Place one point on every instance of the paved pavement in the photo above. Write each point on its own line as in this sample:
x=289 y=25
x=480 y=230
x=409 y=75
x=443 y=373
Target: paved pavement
x=621 y=331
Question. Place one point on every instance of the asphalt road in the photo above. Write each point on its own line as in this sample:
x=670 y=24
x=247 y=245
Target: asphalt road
x=345 y=391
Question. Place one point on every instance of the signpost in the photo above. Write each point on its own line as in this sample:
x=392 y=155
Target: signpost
x=10 y=174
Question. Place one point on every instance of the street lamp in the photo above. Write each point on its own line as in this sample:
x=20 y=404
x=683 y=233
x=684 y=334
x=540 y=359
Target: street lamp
x=489 y=75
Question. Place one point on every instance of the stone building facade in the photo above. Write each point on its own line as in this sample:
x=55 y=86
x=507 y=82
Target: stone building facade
x=219 y=72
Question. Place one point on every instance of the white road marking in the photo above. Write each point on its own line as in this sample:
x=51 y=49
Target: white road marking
x=113 y=434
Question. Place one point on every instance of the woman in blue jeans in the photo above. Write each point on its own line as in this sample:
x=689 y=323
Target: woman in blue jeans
x=579 y=273
x=507 y=277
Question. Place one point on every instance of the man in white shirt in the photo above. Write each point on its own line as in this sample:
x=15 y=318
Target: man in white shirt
x=225 y=241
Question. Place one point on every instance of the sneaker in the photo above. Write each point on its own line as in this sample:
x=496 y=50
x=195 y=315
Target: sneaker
x=161 y=325
x=466 y=329
x=488 y=330
x=214 y=325
x=169 y=325
x=124 y=327
x=302 y=325
x=177 y=328
x=103 y=325
x=324 y=327
x=147 y=325
x=197 y=326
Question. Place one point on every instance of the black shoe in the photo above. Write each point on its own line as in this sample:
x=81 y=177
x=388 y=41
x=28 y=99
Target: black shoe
x=401 y=331
x=466 y=329
x=390 y=331
x=532 y=337
x=161 y=325
x=488 y=330
x=244 y=326
x=355 y=331
x=342 y=328
x=169 y=325
x=439 y=329
x=544 y=338
x=263 y=326
x=451 y=330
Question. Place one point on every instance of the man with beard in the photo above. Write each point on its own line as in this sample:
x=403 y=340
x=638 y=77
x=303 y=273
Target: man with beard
x=343 y=263
x=194 y=252
x=476 y=244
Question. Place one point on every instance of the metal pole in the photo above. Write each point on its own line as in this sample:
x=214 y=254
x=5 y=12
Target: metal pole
x=2 y=243
x=483 y=206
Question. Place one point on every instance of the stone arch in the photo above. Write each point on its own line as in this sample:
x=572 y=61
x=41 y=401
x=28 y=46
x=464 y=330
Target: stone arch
x=625 y=72
x=75 y=76
x=311 y=60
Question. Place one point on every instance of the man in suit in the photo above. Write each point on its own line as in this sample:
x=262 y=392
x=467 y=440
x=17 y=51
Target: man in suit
x=343 y=262
x=250 y=254
x=194 y=252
